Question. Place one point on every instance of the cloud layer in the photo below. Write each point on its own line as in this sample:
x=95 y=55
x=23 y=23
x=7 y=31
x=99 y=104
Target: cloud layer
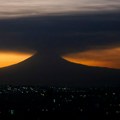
x=16 y=8
x=61 y=34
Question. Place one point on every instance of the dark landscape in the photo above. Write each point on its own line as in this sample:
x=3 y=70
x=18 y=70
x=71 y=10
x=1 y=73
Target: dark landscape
x=35 y=102
x=59 y=59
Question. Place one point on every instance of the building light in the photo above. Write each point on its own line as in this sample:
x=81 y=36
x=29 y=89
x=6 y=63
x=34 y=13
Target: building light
x=12 y=112
x=54 y=100
x=117 y=112
x=81 y=110
x=114 y=93
x=107 y=113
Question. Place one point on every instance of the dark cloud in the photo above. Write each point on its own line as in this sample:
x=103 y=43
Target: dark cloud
x=19 y=8
x=60 y=33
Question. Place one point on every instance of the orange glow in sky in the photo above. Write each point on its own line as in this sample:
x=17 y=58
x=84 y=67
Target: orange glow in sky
x=109 y=58
x=8 y=58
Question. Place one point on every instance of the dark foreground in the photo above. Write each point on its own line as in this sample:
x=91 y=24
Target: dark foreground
x=30 y=102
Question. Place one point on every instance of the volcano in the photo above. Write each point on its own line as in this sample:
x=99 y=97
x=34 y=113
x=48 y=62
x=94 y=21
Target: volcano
x=52 y=70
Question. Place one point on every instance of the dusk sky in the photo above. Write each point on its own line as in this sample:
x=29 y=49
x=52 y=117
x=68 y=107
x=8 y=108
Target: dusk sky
x=15 y=8
x=63 y=42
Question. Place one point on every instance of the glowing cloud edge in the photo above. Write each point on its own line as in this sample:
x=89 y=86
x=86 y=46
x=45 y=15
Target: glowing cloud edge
x=107 y=58
x=10 y=58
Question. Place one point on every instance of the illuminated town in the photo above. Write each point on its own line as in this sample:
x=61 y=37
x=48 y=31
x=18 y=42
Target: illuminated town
x=36 y=101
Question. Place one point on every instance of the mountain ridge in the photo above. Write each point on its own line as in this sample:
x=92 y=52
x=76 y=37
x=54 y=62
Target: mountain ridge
x=51 y=69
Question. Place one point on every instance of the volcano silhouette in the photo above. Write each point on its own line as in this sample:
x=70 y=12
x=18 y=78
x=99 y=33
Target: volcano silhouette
x=51 y=69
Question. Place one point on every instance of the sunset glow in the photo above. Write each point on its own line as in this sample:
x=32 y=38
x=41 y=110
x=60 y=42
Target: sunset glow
x=109 y=58
x=8 y=58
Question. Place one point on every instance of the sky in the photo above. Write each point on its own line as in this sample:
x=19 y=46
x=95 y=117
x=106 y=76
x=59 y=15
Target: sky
x=55 y=29
x=18 y=8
